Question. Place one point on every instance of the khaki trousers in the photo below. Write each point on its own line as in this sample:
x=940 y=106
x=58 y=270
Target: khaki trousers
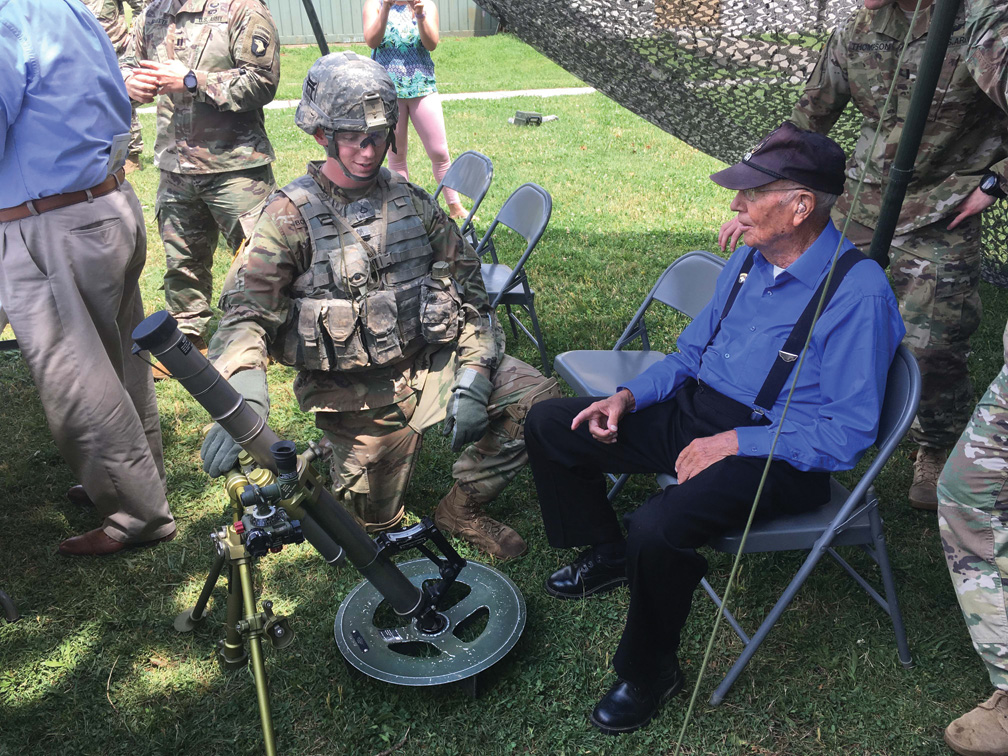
x=69 y=283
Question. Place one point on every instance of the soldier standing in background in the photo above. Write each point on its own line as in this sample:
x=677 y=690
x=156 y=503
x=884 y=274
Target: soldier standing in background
x=972 y=496
x=959 y=172
x=973 y=520
x=111 y=15
x=214 y=65
x=357 y=278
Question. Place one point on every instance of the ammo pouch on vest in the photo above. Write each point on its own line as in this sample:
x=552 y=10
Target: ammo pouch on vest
x=440 y=310
x=379 y=317
x=325 y=337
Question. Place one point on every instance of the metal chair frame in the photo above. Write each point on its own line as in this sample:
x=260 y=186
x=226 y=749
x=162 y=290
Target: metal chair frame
x=526 y=212
x=850 y=518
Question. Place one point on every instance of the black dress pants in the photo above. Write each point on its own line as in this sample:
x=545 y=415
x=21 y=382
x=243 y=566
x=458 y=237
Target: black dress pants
x=663 y=566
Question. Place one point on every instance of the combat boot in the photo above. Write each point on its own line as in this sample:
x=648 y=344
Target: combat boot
x=983 y=731
x=924 y=489
x=460 y=515
x=133 y=163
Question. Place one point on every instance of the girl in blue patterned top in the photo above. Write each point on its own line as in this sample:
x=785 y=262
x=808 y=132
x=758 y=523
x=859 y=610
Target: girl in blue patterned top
x=402 y=33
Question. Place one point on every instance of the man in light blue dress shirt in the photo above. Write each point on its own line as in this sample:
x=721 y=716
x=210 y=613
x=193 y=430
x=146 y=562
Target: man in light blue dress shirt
x=72 y=247
x=710 y=411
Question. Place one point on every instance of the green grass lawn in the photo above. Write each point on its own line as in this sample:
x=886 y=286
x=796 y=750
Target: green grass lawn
x=94 y=666
x=461 y=64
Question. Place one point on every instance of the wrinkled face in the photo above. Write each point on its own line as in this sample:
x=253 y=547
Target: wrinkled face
x=767 y=214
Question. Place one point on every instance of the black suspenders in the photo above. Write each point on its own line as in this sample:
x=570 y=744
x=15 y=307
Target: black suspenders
x=788 y=354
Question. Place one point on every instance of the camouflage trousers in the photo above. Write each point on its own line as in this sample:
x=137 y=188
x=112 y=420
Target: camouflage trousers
x=191 y=210
x=374 y=451
x=973 y=521
x=935 y=274
x=136 y=136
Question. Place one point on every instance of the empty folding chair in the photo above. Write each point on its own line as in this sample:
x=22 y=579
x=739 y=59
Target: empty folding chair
x=526 y=212
x=470 y=175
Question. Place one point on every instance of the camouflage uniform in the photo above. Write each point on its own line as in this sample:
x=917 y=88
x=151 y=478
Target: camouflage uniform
x=211 y=146
x=987 y=57
x=973 y=520
x=935 y=271
x=374 y=367
x=112 y=18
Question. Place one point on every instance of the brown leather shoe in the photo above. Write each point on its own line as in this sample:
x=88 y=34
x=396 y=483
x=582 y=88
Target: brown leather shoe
x=98 y=543
x=77 y=495
x=158 y=369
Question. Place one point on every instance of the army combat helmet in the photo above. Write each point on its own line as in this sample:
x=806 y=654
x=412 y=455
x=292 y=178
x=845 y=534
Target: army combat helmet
x=345 y=92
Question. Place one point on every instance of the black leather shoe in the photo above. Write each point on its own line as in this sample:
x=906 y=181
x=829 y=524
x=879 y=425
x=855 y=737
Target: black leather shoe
x=588 y=574
x=628 y=707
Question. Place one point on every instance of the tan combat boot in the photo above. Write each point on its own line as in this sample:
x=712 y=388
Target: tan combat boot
x=461 y=516
x=983 y=731
x=927 y=468
x=133 y=163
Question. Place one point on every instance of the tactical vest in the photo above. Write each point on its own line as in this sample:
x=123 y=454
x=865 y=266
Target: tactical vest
x=358 y=304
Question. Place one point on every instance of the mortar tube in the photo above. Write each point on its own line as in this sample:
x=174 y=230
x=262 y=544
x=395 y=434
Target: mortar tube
x=326 y=524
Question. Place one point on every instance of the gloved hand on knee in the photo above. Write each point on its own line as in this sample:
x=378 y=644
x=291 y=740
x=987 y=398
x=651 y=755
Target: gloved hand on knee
x=219 y=451
x=467 y=418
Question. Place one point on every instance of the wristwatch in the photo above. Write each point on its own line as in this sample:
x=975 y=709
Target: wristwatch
x=189 y=81
x=990 y=184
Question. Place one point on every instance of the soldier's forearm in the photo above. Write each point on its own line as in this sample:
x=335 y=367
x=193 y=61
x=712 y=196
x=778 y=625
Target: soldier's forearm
x=238 y=90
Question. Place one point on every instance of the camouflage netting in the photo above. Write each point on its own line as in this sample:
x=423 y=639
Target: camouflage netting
x=717 y=74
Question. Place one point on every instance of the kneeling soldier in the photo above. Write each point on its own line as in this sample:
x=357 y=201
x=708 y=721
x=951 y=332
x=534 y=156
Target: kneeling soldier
x=358 y=279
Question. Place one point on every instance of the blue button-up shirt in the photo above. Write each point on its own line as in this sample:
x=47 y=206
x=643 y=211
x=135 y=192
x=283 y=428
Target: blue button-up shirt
x=835 y=409
x=62 y=99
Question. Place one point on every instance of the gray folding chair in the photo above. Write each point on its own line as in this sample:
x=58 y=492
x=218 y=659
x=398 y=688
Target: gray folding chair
x=851 y=518
x=686 y=286
x=470 y=174
x=526 y=212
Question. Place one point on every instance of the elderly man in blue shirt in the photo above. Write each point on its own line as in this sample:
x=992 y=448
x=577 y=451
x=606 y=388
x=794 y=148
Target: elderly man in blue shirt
x=710 y=411
x=72 y=247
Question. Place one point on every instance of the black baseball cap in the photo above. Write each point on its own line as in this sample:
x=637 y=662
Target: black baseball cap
x=788 y=152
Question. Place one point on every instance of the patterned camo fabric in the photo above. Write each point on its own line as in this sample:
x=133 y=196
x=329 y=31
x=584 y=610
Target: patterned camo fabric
x=973 y=520
x=232 y=45
x=374 y=416
x=720 y=74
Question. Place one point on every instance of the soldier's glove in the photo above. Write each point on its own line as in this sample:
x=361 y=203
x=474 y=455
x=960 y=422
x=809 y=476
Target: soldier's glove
x=219 y=451
x=467 y=418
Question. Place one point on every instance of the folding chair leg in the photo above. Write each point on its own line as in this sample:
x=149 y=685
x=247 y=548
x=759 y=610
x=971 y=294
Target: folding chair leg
x=511 y=320
x=769 y=621
x=729 y=617
x=889 y=583
x=539 y=340
x=618 y=486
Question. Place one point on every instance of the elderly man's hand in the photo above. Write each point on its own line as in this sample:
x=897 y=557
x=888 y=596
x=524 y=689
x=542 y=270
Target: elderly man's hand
x=975 y=203
x=731 y=231
x=704 y=452
x=604 y=415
